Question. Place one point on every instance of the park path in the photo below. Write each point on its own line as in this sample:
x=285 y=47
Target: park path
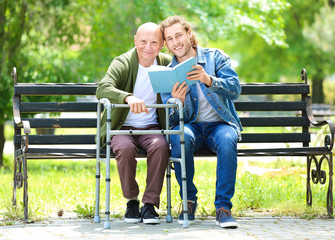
x=249 y=228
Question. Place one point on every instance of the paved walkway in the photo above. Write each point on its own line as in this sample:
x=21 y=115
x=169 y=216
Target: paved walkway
x=249 y=228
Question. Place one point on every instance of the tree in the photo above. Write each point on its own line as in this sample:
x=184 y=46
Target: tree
x=321 y=36
x=112 y=24
x=309 y=27
x=33 y=36
x=64 y=40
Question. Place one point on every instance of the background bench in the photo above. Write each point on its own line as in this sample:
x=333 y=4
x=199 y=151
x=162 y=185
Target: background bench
x=323 y=111
x=258 y=106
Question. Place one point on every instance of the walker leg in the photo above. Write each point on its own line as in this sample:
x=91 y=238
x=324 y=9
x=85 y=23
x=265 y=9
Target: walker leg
x=168 y=192
x=108 y=180
x=97 y=194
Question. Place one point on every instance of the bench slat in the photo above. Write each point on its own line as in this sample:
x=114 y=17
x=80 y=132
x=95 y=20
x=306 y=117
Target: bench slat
x=270 y=106
x=275 y=137
x=55 y=89
x=275 y=88
x=90 y=139
x=303 y=151
x=36 y=107
x=90 y=89
x=62 y=122
x=275 y=121
x=58 y=139
x=92 y=122
x=292 y=151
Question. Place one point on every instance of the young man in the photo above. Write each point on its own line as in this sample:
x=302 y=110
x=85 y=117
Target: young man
x=127 y=81
x=210 y=117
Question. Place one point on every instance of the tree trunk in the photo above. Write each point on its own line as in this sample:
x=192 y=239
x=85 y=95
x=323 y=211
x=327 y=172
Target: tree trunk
x=2 y=143
x=317 y=90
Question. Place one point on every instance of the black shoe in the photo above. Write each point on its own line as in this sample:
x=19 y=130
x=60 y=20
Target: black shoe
x=133 y=212
x=149 y=215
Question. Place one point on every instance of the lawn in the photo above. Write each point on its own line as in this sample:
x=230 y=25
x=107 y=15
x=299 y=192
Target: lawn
x=70 y=186
x=264 y=186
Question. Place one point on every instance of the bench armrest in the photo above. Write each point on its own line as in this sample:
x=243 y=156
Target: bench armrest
x=17 y=116
x=16 y=108
x=329 y=138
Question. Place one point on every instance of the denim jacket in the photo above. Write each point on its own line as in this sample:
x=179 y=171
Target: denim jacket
x=225 y=88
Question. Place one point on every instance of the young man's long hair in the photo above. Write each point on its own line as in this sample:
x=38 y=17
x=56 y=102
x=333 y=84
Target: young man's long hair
x=179 y=19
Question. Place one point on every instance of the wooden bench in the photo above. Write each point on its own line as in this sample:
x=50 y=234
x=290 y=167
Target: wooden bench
x=258 y=108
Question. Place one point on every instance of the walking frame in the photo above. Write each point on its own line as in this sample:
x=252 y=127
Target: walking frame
x=172 y=103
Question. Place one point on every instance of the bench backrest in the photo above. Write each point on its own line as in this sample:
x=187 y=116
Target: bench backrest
x=267 y=108
x=263 y=116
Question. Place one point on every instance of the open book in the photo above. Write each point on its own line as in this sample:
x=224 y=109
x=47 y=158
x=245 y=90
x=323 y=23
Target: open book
x=164 y=78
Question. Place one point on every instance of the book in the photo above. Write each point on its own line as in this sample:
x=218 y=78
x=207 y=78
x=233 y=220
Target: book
x=163 y=78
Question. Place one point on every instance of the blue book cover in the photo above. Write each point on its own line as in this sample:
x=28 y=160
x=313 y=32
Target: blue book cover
x=164 y=78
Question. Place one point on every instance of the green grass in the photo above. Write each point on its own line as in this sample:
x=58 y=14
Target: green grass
x=70 y=186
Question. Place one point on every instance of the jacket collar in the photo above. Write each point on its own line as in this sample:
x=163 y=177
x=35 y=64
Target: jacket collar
x=200 y=55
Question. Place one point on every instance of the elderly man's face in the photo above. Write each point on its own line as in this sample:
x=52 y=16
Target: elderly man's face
x=148 y=42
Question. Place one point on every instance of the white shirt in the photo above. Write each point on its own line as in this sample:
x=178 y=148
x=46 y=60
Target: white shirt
x=143 y=90
x=206 y=112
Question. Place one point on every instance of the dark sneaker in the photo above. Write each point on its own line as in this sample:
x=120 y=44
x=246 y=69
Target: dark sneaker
x=133 y=212
x=149 y=215
x=224 y=218
x=191 y=208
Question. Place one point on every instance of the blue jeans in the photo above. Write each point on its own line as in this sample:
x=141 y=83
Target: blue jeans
x=220 y=138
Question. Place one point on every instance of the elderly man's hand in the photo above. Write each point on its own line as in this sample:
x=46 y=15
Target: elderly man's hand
x=136 y=105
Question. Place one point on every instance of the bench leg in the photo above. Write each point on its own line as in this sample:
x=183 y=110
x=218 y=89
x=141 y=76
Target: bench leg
x=97 y=193
x=309 y=197
x=318 y=175
x=168 y=192
x=15 y=181
x=330 y=206
x=25 y=190
x=20 y=177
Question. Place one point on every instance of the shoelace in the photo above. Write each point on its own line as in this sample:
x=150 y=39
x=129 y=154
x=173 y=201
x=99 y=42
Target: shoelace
x=222 y=211
x=189 y=207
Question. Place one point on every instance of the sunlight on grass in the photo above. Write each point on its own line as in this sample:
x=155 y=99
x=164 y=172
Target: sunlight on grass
x=70 y=185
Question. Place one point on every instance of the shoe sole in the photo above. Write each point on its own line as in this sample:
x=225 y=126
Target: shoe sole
x=151 y=221
x=189 y=221
x=132 y=220
x=228 y=224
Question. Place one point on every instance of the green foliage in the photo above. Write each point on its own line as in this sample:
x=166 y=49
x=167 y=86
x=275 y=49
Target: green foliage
x=321 y=32
x=16 y=213
x=85 y=211
x=329 y=90
x=55 y=185
x=12 y=213
x=35 y=36
x=110 y=31
x=250 y=192
x=309 y=37
x=75 y=41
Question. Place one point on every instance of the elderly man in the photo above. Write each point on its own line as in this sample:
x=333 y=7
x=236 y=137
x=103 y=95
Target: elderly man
x=127 y=81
